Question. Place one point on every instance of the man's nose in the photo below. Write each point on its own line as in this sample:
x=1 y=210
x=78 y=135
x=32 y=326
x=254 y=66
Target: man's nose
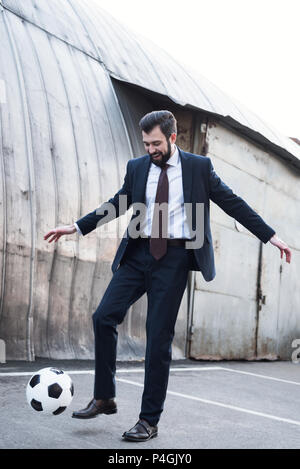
x=152 y=150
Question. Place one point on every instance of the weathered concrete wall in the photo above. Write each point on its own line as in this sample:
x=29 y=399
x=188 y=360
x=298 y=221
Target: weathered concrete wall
x=228 y=321
x=64 y=145
x=64 y=151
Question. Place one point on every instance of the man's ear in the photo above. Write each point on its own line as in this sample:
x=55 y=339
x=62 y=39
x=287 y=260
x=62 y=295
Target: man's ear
x=173 y=138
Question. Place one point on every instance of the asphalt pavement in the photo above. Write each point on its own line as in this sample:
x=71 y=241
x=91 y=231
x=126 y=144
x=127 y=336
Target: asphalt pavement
x=209 y=405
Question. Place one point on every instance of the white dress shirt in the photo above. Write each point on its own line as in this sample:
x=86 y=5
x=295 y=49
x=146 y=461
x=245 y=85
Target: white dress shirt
x=177 y=220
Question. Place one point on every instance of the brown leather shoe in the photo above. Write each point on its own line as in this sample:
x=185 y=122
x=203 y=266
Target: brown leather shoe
x=142 y=431
x=96 y=407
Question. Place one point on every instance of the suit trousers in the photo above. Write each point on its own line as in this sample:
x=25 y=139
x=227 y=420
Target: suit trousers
x=164 y=282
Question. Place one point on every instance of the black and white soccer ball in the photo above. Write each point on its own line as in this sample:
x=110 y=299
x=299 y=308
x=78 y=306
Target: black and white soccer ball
x=50 y=391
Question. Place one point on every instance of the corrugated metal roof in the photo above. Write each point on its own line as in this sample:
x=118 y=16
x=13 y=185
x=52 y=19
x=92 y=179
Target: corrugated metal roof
x=136 y=60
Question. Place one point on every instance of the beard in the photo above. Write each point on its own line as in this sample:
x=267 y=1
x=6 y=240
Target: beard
x=164 y=157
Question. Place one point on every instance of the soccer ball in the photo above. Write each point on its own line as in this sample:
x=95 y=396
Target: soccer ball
x=50 y=391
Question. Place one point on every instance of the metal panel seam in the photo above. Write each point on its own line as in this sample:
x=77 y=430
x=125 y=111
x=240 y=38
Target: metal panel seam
x=32 y=198
x=79 y=185
x=99 y=171
x=52 y=161
x=4 y=228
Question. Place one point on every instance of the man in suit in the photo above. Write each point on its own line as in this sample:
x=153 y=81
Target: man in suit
x=155 y=256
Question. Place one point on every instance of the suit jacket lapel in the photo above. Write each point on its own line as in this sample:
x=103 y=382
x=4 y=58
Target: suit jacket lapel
x=187 y=175
x=142 y=179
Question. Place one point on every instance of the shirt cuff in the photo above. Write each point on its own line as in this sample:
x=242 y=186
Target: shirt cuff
x=78 y=229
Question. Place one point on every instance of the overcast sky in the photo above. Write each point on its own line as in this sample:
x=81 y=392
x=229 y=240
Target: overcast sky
x=248 y=48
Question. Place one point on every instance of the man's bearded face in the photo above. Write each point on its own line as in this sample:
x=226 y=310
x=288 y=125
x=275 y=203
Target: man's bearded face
x=158 y=146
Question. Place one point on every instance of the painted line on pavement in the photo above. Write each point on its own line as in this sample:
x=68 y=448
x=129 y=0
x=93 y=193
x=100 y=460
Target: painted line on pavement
x=219 y=404
x=91 y=372
x=257 y=375
x=141 y=370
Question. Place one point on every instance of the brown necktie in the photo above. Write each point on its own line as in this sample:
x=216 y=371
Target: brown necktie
x=158 y=246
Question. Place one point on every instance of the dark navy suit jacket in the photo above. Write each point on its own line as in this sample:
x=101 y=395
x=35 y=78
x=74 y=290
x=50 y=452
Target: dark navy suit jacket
x=200 y=185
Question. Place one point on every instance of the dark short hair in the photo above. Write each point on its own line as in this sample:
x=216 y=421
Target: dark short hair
x=165 y=120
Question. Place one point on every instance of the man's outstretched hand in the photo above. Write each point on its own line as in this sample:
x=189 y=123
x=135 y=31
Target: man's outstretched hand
x=283 y=248
x=56 y=233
